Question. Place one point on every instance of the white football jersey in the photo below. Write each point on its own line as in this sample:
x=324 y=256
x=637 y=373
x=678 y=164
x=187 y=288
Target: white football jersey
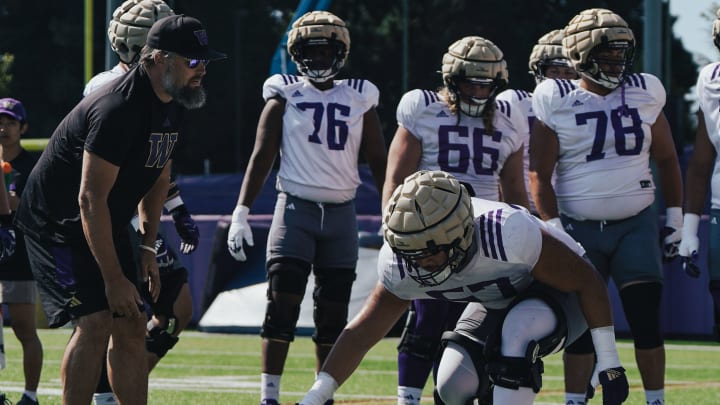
x=509 y=243
x=521 y=103
x=461 y=146
x=603 y=170
x=708 y=91
x=321 y=136
x=103 y=78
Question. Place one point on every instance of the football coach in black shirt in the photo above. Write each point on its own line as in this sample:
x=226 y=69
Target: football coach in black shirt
x=108 y=157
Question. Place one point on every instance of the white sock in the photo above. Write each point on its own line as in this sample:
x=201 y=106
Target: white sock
x=520 y=396
x=104 y=398
x=655 y=397
x=409 y=395
x=269 y=386
x=31 y=394
x=574 y=399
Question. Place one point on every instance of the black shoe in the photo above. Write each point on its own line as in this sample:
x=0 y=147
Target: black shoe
x=4 y=400
x=25 y=400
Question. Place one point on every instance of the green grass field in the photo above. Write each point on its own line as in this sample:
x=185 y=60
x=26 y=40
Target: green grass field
x=225 y=369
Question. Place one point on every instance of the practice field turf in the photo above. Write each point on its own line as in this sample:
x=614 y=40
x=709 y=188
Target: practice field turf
x=223 y=369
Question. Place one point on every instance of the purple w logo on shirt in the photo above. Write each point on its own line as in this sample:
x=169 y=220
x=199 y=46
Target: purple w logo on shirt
x=161 y=147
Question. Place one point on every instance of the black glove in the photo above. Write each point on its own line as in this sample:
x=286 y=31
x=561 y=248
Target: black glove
x=615 y=385
x=670 y=243
x=689 y=266
x=7 y=238
x=186 y=229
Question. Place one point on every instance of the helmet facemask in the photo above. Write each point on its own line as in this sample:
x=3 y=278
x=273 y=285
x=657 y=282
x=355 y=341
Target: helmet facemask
x=610 y=71
x=455 y=258
x=469 y=104
x=550 y=63
x=319 y=69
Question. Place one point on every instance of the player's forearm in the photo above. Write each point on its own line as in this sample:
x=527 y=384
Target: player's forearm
x=151 y=206
x=671 y=182
x=595 y=302
x=696 y=188
x=544 y=197
x=97 y=227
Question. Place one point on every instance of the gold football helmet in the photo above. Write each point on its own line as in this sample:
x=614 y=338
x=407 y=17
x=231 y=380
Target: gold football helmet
x=599 y=29
x=479 y=61
x=429 y=213
x=130 y=24
x=547 y=52
x=318 y=28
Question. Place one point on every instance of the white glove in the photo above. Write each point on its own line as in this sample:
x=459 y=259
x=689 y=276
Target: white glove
x=239 y=230
x=690 y=241
x=672 y=233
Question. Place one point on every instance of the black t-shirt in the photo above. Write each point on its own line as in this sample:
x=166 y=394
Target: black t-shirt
x=17 y=267
x=123 y=123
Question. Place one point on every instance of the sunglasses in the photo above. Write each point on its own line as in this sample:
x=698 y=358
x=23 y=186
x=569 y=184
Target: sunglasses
x=193 y=63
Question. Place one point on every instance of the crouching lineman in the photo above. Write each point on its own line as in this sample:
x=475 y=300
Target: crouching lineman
x=530 y=292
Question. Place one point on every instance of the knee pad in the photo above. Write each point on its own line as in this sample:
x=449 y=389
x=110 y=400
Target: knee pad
x=288 y=276
x=476 y=351
x=641 y=303
x=159 y=341
x=583 y=345
x=286 y=282
x=331 y=297
x=516 y=372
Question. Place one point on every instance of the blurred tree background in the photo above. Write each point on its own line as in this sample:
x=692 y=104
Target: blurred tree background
x=41 y=57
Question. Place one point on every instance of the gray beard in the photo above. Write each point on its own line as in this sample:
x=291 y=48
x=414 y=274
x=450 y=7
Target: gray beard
x=184 y=95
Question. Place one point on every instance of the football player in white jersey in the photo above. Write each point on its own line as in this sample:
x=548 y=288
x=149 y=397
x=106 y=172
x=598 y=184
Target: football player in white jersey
x=546 y=62
x=704 y=168
x=460 y=129
x=529 y=289
x=319 y=126
x=598 y=134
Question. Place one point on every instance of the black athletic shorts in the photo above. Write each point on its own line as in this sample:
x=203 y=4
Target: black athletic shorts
x=69 y=279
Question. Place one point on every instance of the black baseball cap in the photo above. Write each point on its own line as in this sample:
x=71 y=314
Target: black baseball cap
x=183 y=35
